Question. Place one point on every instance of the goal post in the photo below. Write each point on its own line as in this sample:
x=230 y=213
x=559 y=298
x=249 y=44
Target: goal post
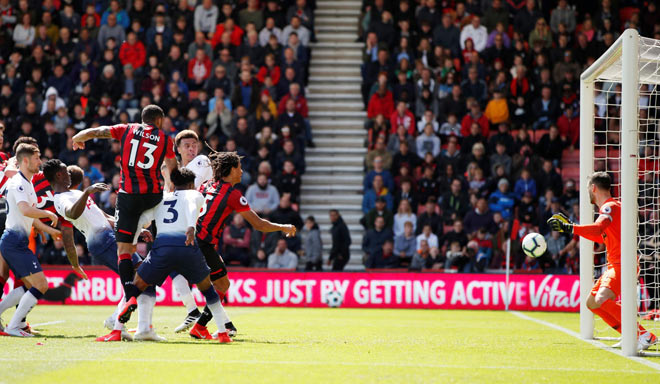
x=620 y=66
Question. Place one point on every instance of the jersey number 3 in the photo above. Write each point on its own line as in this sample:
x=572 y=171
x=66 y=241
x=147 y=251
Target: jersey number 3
x=149 y=154
x=175 y=215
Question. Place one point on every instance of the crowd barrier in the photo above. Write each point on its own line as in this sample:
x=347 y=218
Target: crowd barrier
x=359 y=290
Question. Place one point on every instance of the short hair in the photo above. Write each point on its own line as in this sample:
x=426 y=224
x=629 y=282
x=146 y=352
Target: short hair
x=150 y=113
x=24 y=140
x=601 y=180
x=182 y=176
x=185 y=134
x=50 y=168
x=77 y=174
x=25 y=150
x=223 y=162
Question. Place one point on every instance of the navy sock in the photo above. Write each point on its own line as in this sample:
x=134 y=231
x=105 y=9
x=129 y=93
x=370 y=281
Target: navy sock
x=36 y=293
x=205 y=317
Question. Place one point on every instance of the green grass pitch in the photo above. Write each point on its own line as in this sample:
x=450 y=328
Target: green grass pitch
x=286 y=345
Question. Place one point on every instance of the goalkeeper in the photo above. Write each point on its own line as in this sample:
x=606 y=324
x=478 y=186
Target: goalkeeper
x=606 y=229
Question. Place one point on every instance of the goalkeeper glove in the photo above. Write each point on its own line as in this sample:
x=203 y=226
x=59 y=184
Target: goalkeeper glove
x=560 y=223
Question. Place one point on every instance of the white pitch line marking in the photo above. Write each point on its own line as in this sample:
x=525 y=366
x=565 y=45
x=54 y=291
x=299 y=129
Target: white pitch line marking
x=341 y=363
x=595 y=343
x=48 y=323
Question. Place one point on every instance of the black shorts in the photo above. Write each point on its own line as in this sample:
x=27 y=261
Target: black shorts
x=213 y=260
x=128 y=210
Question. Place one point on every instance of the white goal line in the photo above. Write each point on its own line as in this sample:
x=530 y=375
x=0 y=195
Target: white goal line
x=595 y=343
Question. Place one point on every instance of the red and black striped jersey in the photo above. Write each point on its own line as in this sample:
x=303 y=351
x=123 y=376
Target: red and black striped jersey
x=46 y=197
x=221 y=201
x=4 y=156
x=3 y=180
x=144 y=148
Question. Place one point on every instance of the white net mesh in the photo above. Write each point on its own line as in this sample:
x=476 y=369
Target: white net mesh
x=607 y=129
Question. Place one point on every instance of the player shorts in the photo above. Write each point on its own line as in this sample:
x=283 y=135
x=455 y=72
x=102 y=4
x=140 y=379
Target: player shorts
x=19 y=257
x=610 y=279
x=104 y=251
x=188 y=261
x=128 y=209
x=213 y=260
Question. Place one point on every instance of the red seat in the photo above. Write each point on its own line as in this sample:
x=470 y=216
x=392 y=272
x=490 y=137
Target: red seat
x=600 y=153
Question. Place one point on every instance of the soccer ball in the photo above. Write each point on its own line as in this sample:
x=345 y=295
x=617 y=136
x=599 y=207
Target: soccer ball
x=334 y=299
x=534 y=245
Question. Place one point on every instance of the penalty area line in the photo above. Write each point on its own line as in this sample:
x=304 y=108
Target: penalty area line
x=595 y=343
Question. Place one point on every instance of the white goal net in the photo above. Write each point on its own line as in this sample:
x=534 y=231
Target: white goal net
x=619 y=127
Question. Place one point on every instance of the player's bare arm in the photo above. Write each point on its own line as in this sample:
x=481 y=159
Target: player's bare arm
x=264 y=225
x=71 y=252
x=36 y=213
x=79 y=139
x=190 y=236
x=42 y=228
x=78 y=207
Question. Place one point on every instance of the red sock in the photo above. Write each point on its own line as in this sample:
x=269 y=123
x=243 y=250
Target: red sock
x=18 y=283
x=612 y=322
x=125 y=256
x=614 y=310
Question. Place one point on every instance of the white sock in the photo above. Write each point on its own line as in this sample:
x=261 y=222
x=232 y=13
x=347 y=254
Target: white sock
x=144 y=320
x=183 y=289
x=219 y=315
x=12 y=299
x=28 y=301
x=118 y=325
x=152 y=305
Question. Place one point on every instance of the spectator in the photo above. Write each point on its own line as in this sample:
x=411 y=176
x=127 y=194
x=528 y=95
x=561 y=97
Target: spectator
x=312 y=245
x=405 y=192
x=404 y=157
x=403 y=215
x=497 y=110
x=502 y=201
x=381 y=102
x=112 y=30
x=236 y=242
x=447 y=35
x=282 y=258
x=384 y=257
x=405 y=243
x=475 y=116
x=402 y=117
x=132 y=51
x=375 y=238
x=341 y=242
x=563 y=14
x=428 y=237
x=428 y=142
x=548 y=178
x=288 y=181
x=90 y=171
x=476 y=32
x=479 y=217
x=545 y=109
x=262 y=197
x=501 y=158
x=206 y=16
x=525 y=184
x=569 y=127
x=380 y=150
x=552 y=145
x=379 y=170
x=455 y=203
x=296 y=27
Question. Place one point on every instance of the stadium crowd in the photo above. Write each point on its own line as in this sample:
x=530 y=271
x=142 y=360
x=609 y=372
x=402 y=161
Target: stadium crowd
x=473 y=125
x=232 y=71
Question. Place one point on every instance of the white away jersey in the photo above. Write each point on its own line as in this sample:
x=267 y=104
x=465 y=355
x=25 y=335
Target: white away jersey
x=201 y=167
x=19 y=188
x=92 y=222
x=177 y=212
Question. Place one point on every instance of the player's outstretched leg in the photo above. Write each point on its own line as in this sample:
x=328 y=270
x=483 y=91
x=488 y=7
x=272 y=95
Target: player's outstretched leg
x=11 y=300
x=214 y=307
x=183 y=289
x=145 y=330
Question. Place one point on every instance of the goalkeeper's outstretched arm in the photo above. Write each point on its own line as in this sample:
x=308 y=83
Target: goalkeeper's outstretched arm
x=559 y=222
